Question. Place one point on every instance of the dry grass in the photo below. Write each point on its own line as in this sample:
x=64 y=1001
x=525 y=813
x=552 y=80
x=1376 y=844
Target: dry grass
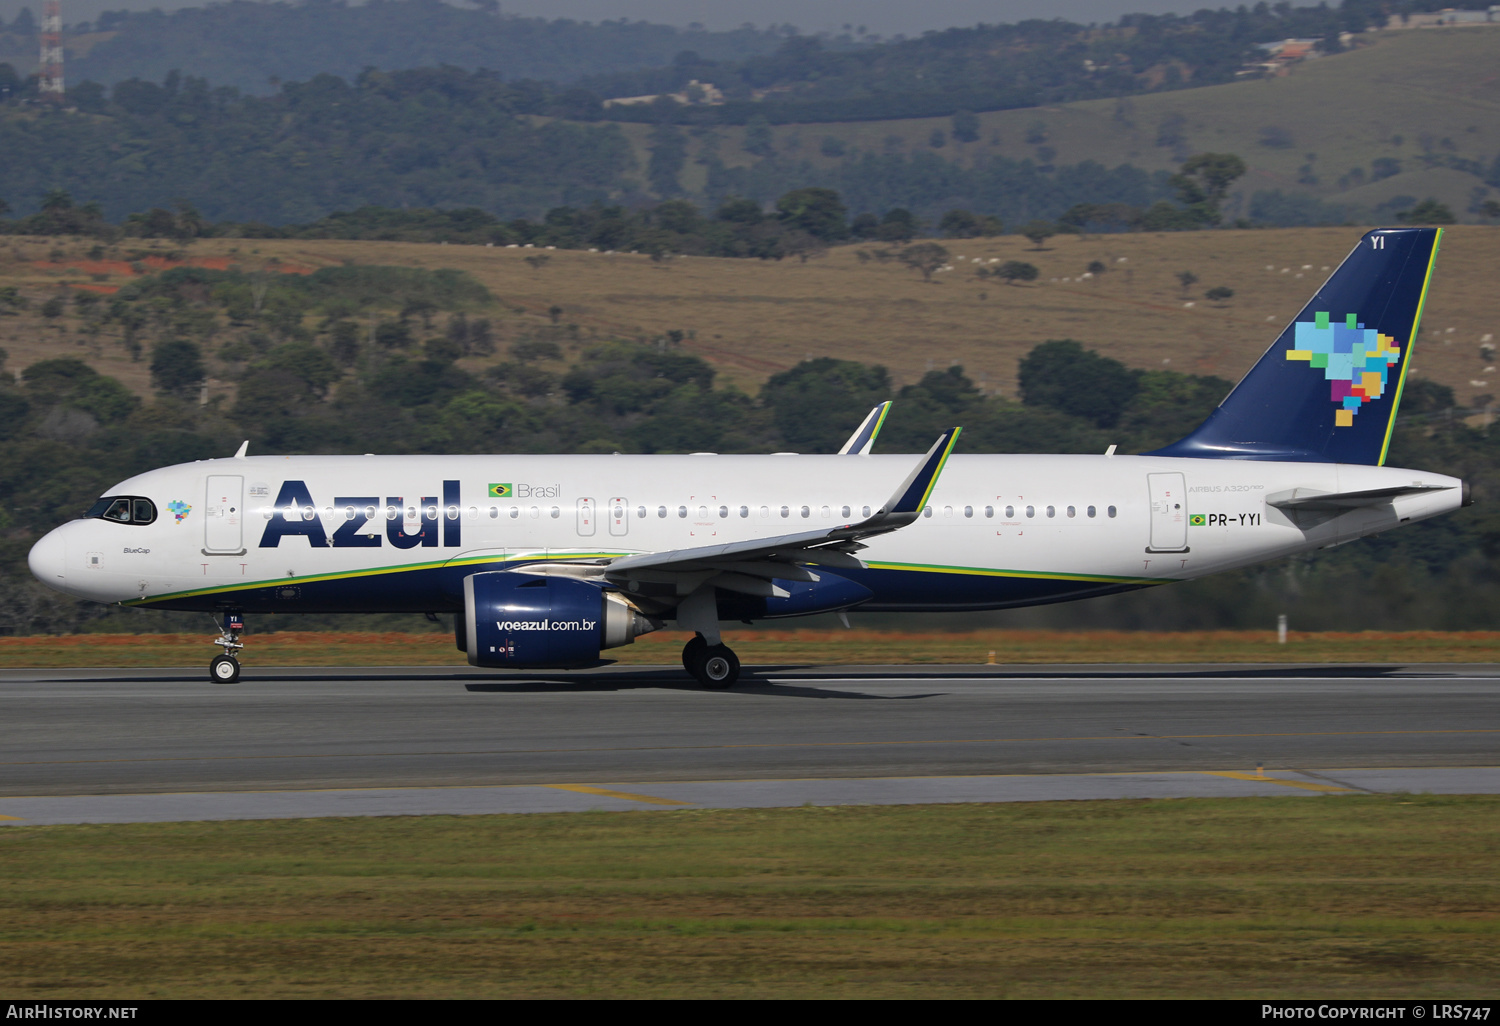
x=751 y=319
x=780 y=647
x=1353 y=897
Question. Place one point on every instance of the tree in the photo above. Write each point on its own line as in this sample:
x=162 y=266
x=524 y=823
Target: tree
x=898 y=225
x=813 y=403
x=1064 y=376
x=818 y=212
x=959 y=224
x=537 y=260
x=1489 y=208
x=1187 y=279
x=1038 y=232
x=1429 y=211
x=1219 y=293
x=925 y=257
x=1203 y=182
x=965 y=126
x=1096 y=267
x=177 y=368
x=1013 y=271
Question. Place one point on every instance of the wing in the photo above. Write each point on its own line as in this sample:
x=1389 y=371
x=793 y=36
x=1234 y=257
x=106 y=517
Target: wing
x=863 y=439
x=751 y=565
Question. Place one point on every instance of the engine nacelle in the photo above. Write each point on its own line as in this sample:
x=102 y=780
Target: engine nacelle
x=514 y=619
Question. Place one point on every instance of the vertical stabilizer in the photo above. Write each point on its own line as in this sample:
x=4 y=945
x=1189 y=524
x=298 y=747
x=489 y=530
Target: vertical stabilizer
x=1327 y=390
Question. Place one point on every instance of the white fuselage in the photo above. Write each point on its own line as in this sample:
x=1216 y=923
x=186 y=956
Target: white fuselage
x=998 y=530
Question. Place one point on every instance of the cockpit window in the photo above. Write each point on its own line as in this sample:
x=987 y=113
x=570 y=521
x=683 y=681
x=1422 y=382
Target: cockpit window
x=123 y=509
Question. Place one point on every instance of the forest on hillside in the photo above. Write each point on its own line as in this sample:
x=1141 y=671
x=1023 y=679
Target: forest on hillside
x=395 y=360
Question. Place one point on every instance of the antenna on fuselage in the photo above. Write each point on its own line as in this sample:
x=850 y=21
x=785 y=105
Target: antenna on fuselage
x=239 y=453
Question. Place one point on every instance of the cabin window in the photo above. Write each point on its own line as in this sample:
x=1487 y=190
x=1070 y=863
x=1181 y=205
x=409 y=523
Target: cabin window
x=682 y=512
x=844 y=512
x=723 y=512
x=535 y=512
x=1111 y=512
x=556 y=512
x=1072 y=511
x=370 y=512
x=947 y=511
x=640 y=512
x=494 y=512
x=1010 y=512
x=865 y=512
x=968 y=511
x=515 y=511
x=661 y=512
x=391 y=513
x=806 y=512
x=473 y=512
x=1031 y=511
x=786 y=511
x=1052 y=511
x=348 y=512
x=765 y=511
x=122 y=509
x=744 y=512
x=927 y=511
x=826 y=512
x=1093 y=512
x=989 y=511
x=702 y=512
x=452 y=512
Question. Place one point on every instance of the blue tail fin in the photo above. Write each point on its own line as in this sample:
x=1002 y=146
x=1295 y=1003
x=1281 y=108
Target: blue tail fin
x=1327 y=391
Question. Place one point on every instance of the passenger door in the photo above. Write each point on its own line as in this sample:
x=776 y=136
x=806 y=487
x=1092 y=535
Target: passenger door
x=224 y=515
x=1169 y=517
x=619 y=517
x=587 y=524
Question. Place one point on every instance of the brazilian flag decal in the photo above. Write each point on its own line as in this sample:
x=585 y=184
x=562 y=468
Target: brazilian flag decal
x=1197 y=520
x=500 y=491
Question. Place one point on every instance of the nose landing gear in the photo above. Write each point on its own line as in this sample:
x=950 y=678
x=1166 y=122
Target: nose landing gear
x=225 y=669
x=714 y=666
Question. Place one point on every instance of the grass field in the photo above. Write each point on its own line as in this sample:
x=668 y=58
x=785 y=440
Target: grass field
x=773 y=648
x=1351 y=897
x=751 y=319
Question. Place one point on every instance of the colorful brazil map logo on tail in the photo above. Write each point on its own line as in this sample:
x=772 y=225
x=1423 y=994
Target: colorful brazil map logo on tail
x=1355 y=361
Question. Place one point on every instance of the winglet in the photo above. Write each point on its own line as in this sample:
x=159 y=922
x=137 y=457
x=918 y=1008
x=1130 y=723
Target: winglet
x=239 y=453
x=863 y=439
x=913 y=493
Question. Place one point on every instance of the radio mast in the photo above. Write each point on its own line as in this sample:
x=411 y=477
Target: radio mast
x=51 y=76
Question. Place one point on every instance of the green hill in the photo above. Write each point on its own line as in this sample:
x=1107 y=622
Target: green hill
x=1427 y=100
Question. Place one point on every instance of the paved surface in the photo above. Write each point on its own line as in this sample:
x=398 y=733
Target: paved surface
x=730 y=794
x=170 y=745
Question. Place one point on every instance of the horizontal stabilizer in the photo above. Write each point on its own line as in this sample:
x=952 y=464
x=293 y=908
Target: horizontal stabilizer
x=1310 y=499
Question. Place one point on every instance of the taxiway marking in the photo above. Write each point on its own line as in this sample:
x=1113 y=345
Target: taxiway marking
x=626 y=795
x=1305 y=785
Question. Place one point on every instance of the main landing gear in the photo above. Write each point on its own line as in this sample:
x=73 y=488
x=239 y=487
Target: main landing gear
x=225 y=669
x=714 y=666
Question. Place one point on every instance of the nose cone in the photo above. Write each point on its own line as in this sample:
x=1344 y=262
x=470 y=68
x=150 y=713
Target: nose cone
x=49 y=560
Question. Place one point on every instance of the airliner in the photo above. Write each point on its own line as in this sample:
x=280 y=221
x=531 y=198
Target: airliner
x=548 y=561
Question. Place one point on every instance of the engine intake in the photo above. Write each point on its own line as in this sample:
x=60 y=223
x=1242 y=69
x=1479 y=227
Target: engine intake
x=524 y=620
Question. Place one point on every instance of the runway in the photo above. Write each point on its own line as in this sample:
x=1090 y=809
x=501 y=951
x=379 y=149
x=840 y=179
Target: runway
x=94 y=746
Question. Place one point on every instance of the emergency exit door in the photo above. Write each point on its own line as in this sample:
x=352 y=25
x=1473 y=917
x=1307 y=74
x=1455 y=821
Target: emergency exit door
x=1169 y=516
x=224 y=515
x=619 y=516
